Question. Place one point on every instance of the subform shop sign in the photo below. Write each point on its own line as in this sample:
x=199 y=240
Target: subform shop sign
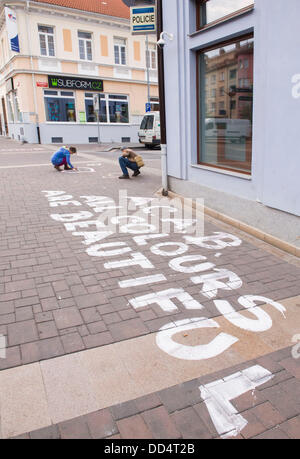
x=12 y=30
x=63 y=82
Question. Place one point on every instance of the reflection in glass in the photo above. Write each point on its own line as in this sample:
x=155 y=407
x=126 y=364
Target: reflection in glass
x=226 y=104
x=60 y=109
x=91 y=115
x=213 y=10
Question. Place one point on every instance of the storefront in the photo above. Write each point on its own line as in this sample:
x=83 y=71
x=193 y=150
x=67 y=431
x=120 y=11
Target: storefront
x=66 y=110
x=66 y=57
x=232 y=113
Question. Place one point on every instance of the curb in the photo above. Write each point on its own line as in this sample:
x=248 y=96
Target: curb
x=276 y=242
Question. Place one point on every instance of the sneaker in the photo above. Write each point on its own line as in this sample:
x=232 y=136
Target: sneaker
x=124 y=177
x=136 y=173
x=67 y=168
x=57 y=168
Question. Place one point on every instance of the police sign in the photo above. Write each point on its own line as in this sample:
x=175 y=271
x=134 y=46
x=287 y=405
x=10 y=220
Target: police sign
x=143 y=20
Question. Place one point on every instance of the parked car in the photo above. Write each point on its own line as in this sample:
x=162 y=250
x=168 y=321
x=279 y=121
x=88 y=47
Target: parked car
x=149 y=132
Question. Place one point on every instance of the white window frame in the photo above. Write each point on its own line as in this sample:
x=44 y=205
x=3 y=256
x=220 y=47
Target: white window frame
x=85 y=44
x=58 y=95
x=46 y=35
x=151 y=58
x=107 y=99
x=120 y=46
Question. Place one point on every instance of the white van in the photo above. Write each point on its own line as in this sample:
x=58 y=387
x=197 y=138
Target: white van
x=149 y=132
x=231 y=129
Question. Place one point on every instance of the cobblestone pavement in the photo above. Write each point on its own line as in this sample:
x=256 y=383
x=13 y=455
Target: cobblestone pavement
x=66 y=288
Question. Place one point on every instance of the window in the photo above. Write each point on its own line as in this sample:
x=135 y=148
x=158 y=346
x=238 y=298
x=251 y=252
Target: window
x=60 y=106
x=147 y=122
x=113 y=108
x=232 y=74
x=120 y=51
x=209 y=11
x=85 y=46
x=225 y=126
x=46 y=36
x=151 y=62
x=91 y=115
x=154 y=102
x=118 y=109
x=18 y=114
x=9 y=103
x=213 y=79
x=222 y=76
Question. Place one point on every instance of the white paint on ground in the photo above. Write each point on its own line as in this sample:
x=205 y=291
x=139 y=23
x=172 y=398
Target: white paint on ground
x=182 y=248
x=91 y=237
x=179 y=223
x=220 y=241
x=142 y=281
x=163 y=299
x=132 y=228
x=141 y=240
x=263 y=322
x=74 y=226
x=97 y=250
x=218 y=394
x=82 y=215
x=65 y=203
x=138 y=259
x=212 y=283
x=176 y=264
x=165 y=341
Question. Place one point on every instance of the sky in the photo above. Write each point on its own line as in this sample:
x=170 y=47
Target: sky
x=218 y=8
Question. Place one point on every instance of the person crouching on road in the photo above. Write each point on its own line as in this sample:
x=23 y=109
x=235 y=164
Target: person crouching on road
x=63 y=158
x=130 y=160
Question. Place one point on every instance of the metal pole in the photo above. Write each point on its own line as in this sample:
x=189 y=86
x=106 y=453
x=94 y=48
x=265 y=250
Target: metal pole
x=98 y=113
x=161 y=80
x=148 y=64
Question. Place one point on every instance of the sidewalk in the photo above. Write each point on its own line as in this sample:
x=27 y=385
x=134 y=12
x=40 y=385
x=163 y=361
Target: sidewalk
x=271 y=225
x=114 y=332
x=229 y=208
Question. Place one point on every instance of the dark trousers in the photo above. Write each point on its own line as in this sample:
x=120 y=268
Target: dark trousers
x=125 y=164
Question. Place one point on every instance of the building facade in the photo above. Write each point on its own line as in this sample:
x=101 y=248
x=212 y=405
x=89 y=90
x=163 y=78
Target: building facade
x=72 y=57
x=232 y=104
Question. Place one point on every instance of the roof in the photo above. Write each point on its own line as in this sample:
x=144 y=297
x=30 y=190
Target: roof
x=114 y=8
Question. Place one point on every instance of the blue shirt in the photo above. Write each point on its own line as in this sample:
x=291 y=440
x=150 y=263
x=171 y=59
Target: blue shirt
x=59 y=156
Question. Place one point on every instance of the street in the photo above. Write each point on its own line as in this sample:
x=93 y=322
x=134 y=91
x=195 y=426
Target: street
x=117 y=325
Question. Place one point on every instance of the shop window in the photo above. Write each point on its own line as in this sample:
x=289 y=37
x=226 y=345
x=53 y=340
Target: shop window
x=91 y=115
x=46 y=36
x=60 y=106
x=214 y=11
x=85 y=46
x=120 y=51
x=113 y=108
x=118 y=109
x=18 y=114
x=225 y=116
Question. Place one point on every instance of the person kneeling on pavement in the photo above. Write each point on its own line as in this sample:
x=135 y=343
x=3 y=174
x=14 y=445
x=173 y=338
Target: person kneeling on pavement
x=62 y=158
x=130 y=160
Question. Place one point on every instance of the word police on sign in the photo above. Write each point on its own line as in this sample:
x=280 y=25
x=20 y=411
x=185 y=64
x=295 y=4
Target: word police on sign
x=143 y=20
